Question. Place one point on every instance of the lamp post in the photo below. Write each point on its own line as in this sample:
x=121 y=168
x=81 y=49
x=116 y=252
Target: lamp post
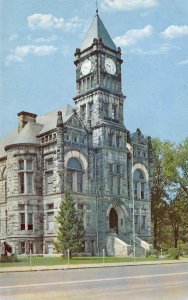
x=130 y=149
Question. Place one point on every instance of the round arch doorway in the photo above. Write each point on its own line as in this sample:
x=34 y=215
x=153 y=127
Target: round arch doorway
x=113 y=220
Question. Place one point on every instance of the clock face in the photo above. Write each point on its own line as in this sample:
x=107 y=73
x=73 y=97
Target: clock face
x=86 y=66
x=110 y=66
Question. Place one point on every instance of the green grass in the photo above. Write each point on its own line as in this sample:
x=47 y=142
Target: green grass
x=50 y=261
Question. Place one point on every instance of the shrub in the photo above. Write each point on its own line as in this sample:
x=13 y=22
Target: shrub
x=174 y=253
x=155 y=253
x=148 y=253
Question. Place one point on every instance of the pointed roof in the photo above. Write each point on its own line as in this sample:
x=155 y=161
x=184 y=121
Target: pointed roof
x=97 y=30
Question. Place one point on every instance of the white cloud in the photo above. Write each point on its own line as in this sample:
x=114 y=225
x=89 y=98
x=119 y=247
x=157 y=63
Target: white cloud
x=49 y=39
x=183 y=62
x=13 y=37
x=42 y=21
x=128 y=4
x=175 y=31
x=45 y=21
x=20 y=53
x=132 y=36
x=163 y=49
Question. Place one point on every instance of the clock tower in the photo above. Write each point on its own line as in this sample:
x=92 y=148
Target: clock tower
x=98 y=62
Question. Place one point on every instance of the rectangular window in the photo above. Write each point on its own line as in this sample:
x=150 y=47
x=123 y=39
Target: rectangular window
x=21 y=182
x=74 y=139
x=111 y=168
x=118 y=185
x=142 y=190
x=79 y=182
x=90 y=111
x=143 y=222
x=105 y=110
x=21 y=165
x=22 y=221
x=29 y=165
x=50 y=220
x=118 y=169
x=29 y=183
x=111 y=184
x=110 y=139
x=117 y=141
x=137 y=222
x=30 y=221
x=66 y=137
x=25 y=176
x=82 y=140
x=50 y=206
x=22 y=247
x=114 y=112
x=135 y=190
x=49 y=182
x=69 y=180
x=83 y=112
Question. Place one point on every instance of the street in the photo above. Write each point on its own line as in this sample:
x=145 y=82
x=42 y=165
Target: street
x=136 y=282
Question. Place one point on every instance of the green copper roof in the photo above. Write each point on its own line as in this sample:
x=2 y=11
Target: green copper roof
x=97 y=30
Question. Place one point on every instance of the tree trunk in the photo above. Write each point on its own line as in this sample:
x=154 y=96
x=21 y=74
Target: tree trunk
x=176 y=237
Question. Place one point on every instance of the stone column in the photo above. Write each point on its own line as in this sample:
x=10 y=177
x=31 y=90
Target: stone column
x=60 y=153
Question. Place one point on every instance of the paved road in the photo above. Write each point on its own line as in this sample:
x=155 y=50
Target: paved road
x=166 y=282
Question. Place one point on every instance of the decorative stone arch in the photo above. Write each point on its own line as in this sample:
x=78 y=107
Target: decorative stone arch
x=122 y=215
x=145 y=173
x=143 y=169
x=81 y=157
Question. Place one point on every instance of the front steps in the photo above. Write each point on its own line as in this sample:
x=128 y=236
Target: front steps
x=116 y=246
x=122 y=245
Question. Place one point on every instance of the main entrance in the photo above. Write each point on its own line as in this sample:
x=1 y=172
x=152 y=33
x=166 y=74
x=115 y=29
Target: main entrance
x=113 y=220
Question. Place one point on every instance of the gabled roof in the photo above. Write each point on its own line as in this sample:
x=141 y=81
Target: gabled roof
x=138 y=138
x=97 y=30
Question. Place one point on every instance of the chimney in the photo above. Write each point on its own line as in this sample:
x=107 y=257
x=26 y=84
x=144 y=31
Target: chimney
x=25 y=117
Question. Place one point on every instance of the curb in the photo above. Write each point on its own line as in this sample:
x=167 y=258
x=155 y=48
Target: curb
x=86 y=266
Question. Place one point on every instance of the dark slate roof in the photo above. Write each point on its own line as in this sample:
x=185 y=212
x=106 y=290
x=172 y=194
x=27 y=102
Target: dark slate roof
x=49 y=120
x=28 y=134
x=97 y=30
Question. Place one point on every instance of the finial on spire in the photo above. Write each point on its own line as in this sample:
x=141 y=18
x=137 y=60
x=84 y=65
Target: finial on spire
x=97 y=10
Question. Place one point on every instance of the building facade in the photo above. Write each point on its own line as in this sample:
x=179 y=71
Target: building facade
x=87 y=150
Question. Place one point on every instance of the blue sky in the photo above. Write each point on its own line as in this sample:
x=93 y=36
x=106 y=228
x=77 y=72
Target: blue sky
x=39 y=38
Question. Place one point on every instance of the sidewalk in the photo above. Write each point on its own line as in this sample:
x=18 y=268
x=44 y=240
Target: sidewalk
x=85 y=266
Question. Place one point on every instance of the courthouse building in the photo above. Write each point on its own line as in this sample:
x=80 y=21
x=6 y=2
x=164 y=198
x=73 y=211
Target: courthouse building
x=86 y=149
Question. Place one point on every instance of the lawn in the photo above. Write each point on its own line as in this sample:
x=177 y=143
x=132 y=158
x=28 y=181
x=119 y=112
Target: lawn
x=50 y=261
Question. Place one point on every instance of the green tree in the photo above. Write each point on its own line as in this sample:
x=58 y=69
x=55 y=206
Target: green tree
x=70 y=227
x=158 y=194
x=169 y=193
x=177 y=211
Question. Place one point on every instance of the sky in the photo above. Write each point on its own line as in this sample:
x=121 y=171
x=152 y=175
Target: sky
x=37 y=71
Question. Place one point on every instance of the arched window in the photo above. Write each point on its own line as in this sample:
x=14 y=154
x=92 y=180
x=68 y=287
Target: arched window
x=73 y=163
x=74 y=175
x=139 y=185
x=138 y=175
